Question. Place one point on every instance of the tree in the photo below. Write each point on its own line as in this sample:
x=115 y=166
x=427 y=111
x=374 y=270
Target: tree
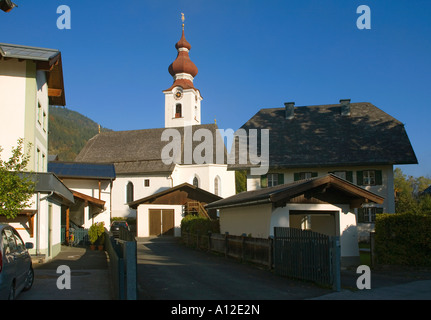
x=408 y=193
x=16 y=187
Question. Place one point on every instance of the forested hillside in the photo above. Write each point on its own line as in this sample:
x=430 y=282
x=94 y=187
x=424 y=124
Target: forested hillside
x=68 y=132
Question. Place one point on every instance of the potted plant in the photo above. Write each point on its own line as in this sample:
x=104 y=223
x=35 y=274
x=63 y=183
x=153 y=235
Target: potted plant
x=93 y=235
x=101 y=239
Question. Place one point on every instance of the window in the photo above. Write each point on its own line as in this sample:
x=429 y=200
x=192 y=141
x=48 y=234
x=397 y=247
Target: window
x=271 y=180
x=38 y=159
x=178 y=111
x=369 y=177
x=346 y=175
x=217 y=186
x=304 y=175
x=129 y=192
x=146 y=182
x=368 y=214
x=196 y=182
x=39 y=113
x=44 y=124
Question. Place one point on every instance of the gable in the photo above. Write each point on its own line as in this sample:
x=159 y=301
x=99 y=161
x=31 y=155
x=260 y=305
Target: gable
x=178 y=195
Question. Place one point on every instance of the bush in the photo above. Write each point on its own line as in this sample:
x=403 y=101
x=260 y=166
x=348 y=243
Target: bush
x=403 y=239
x=199 y=225
x=96 y=232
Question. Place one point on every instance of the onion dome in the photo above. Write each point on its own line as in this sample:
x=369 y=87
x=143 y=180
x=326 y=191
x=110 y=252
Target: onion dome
x=182 y=63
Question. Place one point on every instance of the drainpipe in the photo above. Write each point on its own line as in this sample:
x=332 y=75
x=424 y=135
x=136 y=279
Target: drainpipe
x=39 y=199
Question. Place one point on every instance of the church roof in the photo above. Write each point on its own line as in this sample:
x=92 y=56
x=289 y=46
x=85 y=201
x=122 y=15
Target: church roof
x=321 y=135
x=136 y=151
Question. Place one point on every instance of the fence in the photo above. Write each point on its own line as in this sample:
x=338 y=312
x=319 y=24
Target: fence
x=300 y=254
x=122 y=263
x=307 y=255
x=255 y=250
x=77 y=237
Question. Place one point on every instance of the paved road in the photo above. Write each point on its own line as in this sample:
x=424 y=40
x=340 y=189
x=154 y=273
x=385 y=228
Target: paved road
x=90 y=278
x=169 y=271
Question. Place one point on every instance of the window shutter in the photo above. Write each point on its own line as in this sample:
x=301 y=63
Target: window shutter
x=296 y=176
x=359 y=178
x=378 y=175
x=281 y=178
x=264 y=181
x=349 y=176
x=314 y=174
x=379 y=210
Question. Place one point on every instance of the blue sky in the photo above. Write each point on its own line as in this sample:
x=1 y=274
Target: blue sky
x=250 y=55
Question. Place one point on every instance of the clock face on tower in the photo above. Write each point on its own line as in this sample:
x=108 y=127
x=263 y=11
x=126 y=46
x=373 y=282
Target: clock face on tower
x=178 y=94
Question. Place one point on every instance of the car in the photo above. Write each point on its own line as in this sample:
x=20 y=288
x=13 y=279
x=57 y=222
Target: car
x=115 y=227
x=16 y=269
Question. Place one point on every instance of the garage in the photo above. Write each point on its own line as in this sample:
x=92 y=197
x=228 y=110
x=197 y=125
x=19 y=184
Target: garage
x=323 y=204
x=161 y=213
x=161 y=222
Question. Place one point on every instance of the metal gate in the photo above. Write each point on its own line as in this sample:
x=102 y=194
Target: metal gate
x=307 y=255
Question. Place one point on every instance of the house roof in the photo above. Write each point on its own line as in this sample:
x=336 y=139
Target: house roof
x=137 y=151
x=281 y=194
x=82 y=170
x=47 y=182
x=320 y=135
x=86 y=198
x=46 y=59
x=171 y=196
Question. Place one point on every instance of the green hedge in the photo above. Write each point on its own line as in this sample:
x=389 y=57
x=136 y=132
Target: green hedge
x=199 y=225
x=403 y=239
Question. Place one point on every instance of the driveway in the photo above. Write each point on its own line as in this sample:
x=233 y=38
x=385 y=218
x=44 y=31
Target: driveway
x=168 y=270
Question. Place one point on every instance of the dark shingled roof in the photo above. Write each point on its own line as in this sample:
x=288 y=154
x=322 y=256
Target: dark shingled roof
x=136 y=151
x=82 y=170
x=320 y=136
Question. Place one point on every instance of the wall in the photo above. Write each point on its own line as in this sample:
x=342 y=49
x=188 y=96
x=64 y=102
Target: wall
x=206 y=174
x=254 y=220
x=119 y=206
x=142 y=221
x=12 y=104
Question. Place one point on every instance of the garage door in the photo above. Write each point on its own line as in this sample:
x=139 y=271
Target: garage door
x=161 y=222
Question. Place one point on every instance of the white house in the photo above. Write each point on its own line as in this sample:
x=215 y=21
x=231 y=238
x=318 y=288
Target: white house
x=355 y=141
x=144 y=160
x=31 y=79
x=91 y=185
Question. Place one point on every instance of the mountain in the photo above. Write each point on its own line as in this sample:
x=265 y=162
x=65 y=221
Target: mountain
x=69 y=131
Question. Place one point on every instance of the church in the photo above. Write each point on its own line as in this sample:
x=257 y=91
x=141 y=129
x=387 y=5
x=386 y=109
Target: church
x=140 y=167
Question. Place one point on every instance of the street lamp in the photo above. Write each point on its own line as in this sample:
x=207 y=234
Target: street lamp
x=7 y=5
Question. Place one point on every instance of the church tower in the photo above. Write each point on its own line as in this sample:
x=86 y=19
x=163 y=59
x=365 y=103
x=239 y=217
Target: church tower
x=182 y=99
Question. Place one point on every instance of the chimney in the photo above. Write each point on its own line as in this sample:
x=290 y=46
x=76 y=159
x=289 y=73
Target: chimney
x=345 y=107
x=289 y=107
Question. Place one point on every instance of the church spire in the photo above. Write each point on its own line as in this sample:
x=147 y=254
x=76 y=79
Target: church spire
x=182 y=99
x=183 y=70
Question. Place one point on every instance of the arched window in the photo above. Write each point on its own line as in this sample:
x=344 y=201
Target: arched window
x=217 y=185
x=129 y=192
x=178 y=111
x=196 y=182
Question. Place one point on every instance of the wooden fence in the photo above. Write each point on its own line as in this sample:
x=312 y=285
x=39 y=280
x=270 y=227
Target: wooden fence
x=247 y=249
x=307 y=255
x=295 y=253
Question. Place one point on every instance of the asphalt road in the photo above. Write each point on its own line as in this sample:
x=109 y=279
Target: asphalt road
x=170 y=271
